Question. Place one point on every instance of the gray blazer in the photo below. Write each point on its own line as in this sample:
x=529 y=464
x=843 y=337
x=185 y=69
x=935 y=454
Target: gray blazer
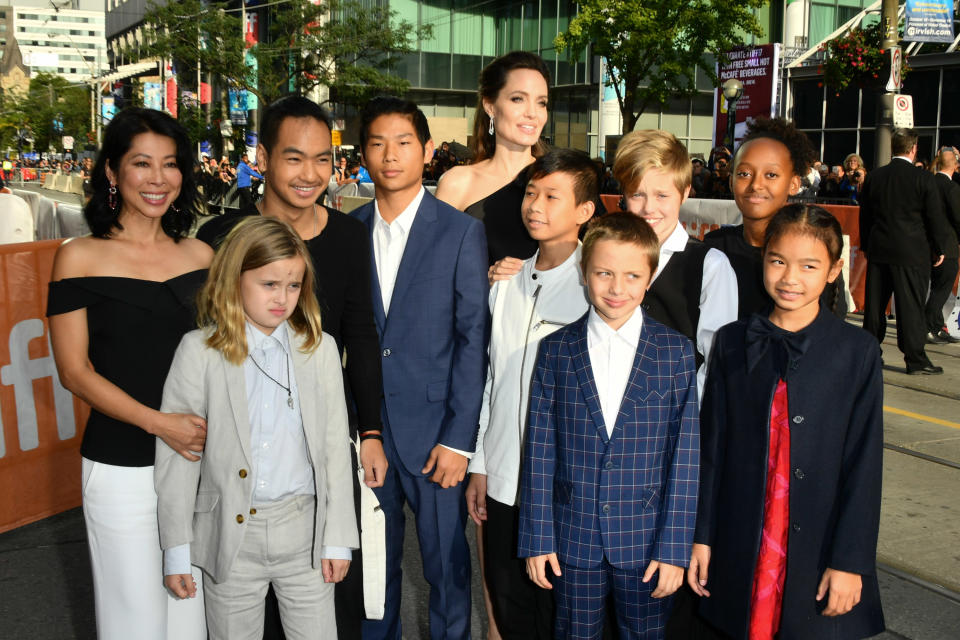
x=207 y=503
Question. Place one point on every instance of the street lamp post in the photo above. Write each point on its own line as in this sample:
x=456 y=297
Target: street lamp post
x=732 y=91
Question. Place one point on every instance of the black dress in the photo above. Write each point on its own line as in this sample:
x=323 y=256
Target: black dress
x=500 y=214
x=134 y=327
x=747 y=263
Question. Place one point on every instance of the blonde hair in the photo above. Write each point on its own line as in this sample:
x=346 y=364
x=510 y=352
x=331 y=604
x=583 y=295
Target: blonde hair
x=623 y=227
x=853 y=156
x=640 y=151
x=256 y=241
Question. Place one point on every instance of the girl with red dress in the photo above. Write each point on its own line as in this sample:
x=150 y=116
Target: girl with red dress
x=791 y=455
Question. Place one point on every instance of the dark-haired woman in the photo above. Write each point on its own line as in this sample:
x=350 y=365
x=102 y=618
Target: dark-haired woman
x=119 y=302
x=511 y=114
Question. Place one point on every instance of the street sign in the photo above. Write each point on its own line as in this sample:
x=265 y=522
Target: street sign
x=335 y=138
x=68 y=142
x=896 y=63
x=903 y=112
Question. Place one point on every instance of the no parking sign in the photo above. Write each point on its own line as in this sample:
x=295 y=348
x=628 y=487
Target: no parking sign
x=903 y=111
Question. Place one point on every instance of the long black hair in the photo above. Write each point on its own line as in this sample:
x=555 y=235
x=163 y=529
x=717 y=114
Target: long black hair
x=127 y=124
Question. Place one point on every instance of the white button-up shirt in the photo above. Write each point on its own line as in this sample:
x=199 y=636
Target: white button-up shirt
x=389 y=242
x=718 y=295
x=611 y=357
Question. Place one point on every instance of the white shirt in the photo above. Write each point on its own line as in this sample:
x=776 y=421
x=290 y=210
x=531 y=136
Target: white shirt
x=389 y=243
x=523 y=310
x=611 y=357
x=718 y=295
x=281 y=466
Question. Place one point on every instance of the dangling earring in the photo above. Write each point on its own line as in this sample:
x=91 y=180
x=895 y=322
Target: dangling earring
x=622 y=204
x=490 y=130
x=112 y=197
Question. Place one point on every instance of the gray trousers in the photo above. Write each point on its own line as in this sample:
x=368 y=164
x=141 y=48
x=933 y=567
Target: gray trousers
x=276 y=550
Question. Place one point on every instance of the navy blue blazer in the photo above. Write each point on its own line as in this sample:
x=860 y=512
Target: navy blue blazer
x=432 y=343
x=835 y=401
x=631 y=497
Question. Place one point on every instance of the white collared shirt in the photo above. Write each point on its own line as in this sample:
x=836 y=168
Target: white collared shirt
x=281 y=466
x=389 y=241
x=718 y=295
x=612 y=354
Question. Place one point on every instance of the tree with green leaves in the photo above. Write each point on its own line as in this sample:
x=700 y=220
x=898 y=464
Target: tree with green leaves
x=340 y=44
x=653 y=48
x=50 y=98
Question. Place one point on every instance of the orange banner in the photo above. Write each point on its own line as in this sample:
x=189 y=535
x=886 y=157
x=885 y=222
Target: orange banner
x=41 y=421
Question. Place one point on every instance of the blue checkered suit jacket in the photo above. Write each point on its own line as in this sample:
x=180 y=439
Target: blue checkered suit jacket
x=631 y=497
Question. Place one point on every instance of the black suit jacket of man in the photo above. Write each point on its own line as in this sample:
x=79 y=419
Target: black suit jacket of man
x=950 y=195
x=901 y=216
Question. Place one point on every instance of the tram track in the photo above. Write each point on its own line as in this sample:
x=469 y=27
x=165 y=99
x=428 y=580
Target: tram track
x=923 y=456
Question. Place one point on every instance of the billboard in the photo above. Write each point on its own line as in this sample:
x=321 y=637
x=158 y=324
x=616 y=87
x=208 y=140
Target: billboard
x=757 y=68
x=928 y=21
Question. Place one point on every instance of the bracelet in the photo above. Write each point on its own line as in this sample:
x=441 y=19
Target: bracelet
x=371 y=435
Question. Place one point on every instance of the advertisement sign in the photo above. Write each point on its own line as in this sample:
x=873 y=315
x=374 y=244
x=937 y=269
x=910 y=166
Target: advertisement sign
x=928 y=21
x=757 y=69
x=153 y=95
x=108 y=109
x=40 y=421
x=238 y=106
x=172 y=97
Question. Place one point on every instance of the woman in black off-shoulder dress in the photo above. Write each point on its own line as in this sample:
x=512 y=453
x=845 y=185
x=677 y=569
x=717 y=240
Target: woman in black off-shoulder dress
x=119 y=302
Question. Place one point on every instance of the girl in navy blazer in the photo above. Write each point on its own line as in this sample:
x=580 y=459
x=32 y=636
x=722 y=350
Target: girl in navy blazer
x=791 y=455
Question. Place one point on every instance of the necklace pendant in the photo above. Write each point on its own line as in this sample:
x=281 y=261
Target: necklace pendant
x=290 y=401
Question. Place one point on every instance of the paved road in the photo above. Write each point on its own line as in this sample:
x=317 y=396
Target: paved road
x=44 y=571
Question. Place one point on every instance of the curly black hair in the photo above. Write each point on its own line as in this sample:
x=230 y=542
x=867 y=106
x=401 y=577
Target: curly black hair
x=126 y=125
x=802 y=153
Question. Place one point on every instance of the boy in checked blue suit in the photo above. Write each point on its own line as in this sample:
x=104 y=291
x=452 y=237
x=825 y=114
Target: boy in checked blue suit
x=610 y=467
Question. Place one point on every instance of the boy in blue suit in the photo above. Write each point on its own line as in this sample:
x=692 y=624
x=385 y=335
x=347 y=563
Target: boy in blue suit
x=610 y=469
x=430 y=304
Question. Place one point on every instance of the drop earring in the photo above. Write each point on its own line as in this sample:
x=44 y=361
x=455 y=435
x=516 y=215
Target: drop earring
x=490 y=129
x=112 y=197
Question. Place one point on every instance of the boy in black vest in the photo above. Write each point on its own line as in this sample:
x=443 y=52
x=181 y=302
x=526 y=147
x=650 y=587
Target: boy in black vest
x=694 y=290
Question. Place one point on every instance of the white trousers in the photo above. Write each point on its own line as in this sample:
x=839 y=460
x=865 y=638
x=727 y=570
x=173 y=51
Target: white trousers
x=276 y=549
x=120 y=509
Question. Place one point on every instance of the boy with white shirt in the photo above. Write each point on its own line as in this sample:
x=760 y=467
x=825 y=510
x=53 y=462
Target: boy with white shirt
x=694 y=288
x=547 y=294
x=429 y=285
x=610 y=466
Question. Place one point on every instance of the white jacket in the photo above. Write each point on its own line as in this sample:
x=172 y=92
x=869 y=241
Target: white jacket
x=523 y=310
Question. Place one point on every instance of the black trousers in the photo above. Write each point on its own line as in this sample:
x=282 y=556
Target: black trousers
x=246 y=197
x=523 y=610
x=909 y=286
x=941 y=286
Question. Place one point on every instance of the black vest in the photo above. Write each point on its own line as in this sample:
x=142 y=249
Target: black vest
x=674 y=297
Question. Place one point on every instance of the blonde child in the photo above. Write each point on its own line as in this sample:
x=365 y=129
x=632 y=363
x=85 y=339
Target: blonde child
x=270 y=502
